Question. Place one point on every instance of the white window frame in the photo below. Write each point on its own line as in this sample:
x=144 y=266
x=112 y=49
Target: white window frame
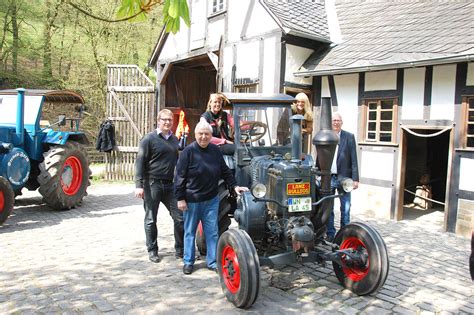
x=216 y=7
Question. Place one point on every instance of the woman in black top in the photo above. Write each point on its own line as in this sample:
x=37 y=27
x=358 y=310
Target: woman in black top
x=221 y=124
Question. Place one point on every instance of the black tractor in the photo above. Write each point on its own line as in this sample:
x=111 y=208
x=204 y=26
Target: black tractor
x=282 y=220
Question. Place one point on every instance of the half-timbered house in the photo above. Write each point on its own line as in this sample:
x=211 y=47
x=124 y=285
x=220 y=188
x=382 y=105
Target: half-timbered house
x=400 y=73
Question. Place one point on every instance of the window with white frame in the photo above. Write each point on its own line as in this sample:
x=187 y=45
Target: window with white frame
x=217 y=6
x=381 y=116
x=469 y=122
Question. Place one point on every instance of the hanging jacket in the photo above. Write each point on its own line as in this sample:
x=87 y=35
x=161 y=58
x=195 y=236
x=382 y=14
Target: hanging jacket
x=106 y=138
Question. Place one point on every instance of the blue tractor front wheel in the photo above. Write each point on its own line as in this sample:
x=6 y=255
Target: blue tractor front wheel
x=64 y=176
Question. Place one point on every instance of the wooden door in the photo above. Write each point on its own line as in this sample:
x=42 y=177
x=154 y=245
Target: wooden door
x=131 y=107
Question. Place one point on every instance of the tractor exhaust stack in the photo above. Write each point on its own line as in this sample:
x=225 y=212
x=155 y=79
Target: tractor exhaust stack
x=20 y=113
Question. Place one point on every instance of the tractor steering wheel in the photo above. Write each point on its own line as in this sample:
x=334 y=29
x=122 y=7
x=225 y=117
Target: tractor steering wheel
x=252 y=131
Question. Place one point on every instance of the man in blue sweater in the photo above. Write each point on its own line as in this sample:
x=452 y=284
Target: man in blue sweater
x=199 y=169
x=154 y=171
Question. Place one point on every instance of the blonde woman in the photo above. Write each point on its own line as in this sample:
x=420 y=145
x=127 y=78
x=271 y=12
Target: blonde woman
x=221 y=122
x=302 y=106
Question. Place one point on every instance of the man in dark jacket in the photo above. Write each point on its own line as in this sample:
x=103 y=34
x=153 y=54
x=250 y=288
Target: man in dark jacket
x=344 y=165
x=200 y=167
x=154 y=171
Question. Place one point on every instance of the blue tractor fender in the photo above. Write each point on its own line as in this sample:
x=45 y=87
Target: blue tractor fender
x=61 y=137
x=15 y=166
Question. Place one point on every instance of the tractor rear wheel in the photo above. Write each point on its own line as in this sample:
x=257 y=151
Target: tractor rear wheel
x=64 y=176
x=369 y=274
x=238 y=267
x=226 y=206
x=7 y=199
x=224 y=224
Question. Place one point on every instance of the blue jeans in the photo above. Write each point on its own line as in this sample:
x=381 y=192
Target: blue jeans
x=207 y=212
x=345 y=201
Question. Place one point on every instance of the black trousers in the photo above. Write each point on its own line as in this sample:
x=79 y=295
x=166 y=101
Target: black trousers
x=157 y=191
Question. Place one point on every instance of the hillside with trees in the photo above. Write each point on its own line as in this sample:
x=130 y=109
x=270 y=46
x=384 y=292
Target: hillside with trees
x=49 y=44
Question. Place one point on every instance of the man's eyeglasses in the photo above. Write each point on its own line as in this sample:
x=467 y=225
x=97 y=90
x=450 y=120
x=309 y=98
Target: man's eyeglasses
x=166 y=119
x=336 y=120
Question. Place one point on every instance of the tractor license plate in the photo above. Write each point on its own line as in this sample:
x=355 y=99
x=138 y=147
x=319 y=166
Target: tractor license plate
x=299 y=204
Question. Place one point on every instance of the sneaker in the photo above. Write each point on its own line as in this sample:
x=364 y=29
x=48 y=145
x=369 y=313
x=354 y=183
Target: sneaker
x=153 y=256
x=188 y=269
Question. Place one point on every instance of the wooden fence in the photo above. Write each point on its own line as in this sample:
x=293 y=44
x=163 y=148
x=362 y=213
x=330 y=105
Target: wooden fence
x=131 y=107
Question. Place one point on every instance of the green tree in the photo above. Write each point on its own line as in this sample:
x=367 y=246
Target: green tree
x=173 y=11
x=58 y=46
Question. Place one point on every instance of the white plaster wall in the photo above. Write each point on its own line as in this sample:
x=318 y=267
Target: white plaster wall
x=176 y=44
x=247 y=60
x=371 y=166
x=347 y=87
x=466 y=169
x=198 y=15
x=295 y=57
x=470 y=74
x=215 y=31
x=260 y=21
x=325 y=87
x=271 y=66
x=371 y=201
x=413 y=93
x=381 y=80
x=442 y=96
x=227 y=70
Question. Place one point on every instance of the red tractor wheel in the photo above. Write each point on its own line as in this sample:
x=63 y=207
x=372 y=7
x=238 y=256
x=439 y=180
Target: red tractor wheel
x=224 y=224
x=239 y=268
x=7 y=199
x=224 y=219
x=64 y=176
x=201 y=240
x=369 y=273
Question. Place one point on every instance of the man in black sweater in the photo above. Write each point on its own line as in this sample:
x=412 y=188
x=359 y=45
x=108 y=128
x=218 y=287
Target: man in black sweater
x=200 y=167
x=154 y=171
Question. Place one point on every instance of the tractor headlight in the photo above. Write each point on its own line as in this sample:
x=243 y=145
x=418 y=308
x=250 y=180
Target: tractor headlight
x=259 y=190
x=346 y=184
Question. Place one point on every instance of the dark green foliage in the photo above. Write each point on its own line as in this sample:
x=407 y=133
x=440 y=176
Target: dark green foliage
x=79 y=47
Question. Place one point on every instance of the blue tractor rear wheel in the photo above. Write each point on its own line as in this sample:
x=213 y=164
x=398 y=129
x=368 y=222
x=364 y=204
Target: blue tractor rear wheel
x=64 y=176
x=7 y=199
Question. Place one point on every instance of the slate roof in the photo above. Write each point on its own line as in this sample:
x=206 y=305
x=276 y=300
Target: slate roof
x=304 y=18
x=378 y=33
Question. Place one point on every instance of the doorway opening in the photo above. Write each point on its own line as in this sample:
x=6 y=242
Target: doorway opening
x=426 y=172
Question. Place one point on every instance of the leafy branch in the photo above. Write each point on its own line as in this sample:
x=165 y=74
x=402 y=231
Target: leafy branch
x=137 y=10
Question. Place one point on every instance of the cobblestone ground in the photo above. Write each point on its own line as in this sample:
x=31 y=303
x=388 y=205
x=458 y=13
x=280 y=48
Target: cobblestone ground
x=93 y=260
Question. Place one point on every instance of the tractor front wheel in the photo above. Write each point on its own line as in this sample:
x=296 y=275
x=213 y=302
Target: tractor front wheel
x=368 y=273
x=238 y=267
x=64 y=176
x=7 y=199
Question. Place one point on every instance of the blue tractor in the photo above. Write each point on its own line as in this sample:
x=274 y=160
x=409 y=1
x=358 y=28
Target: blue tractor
x=40 y=149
